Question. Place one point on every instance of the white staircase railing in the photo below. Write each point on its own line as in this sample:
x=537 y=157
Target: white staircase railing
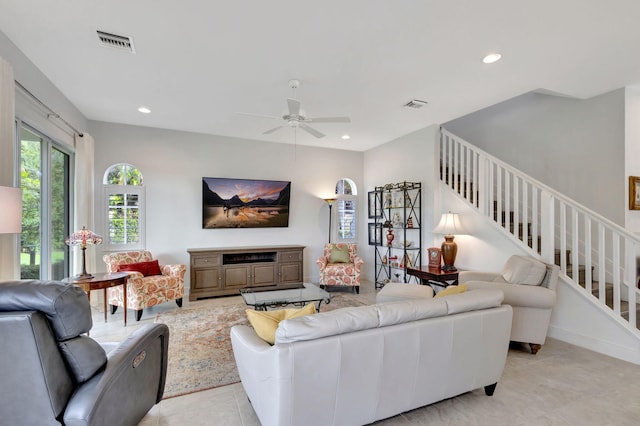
x=598 y=256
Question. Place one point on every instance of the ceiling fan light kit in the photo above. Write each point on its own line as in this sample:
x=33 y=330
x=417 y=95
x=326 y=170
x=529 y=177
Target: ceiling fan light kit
x=295 y=117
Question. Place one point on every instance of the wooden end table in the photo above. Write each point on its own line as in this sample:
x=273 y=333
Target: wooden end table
x=103 y=282
x=429 y=273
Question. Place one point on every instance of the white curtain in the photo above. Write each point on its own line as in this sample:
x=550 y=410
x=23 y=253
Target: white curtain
x=9 y=259
x=84 y=213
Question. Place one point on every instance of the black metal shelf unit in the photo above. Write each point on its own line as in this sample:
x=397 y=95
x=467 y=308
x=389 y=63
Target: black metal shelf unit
x=398 y=216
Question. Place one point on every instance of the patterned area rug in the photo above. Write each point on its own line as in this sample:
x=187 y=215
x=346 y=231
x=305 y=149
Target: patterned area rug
x=200 y=353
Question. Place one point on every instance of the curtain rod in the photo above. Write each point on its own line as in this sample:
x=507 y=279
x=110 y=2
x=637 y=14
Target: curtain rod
x=51 y=113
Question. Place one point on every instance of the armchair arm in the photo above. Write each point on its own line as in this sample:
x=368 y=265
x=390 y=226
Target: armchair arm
x=322 y=262
x=176 y=270
x=465 y=276
x=357 y=263
x=130 y=384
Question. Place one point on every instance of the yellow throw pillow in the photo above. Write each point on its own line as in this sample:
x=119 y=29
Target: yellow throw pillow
x=265 y=323
x=340 y=254
x=452 y=289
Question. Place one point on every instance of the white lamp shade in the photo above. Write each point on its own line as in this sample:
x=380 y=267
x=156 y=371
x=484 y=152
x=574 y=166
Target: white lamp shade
x=10 y=210
x=449 y=225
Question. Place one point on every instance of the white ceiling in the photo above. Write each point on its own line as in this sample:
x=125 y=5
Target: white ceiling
x=198 y=62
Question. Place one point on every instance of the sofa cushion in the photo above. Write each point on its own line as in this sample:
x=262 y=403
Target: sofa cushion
x=452 y=289
x=403 y=291
x=518 y=295
x=339 y=321
x=398 y=312
x=523 y=270
x=473 y=300
x=340 y=254
x=145 y=268
x=84 y=357
x=265 y=323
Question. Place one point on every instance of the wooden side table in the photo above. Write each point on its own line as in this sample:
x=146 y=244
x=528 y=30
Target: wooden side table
x=429 y=273
x=103 y=282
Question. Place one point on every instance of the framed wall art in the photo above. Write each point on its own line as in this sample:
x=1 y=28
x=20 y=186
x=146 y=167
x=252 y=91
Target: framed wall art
x=375 y=204
x=375 y=234
x=634 y=193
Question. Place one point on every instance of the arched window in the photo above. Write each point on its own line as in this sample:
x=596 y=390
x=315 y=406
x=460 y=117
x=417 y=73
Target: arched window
x=346 y=193
x=124 y=195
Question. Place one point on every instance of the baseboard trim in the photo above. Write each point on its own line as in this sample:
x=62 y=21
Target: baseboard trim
x=612 y=349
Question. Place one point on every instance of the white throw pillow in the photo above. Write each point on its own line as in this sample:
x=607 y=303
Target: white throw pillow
x=523 y=270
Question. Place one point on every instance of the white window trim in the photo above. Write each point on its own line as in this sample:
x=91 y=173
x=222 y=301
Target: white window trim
x=337 y=236
x=125 y=189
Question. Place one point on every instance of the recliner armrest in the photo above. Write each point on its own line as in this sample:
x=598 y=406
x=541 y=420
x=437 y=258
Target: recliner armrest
x=133 y=381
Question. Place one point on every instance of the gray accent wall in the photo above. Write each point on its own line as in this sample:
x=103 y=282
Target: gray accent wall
x=574 y=146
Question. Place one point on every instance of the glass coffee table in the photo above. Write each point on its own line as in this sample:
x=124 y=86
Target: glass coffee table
x=261 y=300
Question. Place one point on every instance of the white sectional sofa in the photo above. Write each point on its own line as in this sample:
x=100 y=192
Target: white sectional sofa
x=354 y=366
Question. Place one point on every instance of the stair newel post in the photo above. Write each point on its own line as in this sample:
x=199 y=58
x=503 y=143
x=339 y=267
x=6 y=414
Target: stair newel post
x=547 y=225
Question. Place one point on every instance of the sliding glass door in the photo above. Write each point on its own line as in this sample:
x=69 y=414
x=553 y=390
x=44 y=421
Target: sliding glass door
x=45 y=180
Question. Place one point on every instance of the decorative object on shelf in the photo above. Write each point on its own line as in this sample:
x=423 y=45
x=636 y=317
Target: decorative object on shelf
x=11 y=202
x=634 y=193
x=397 y=222
x=390 y=237
x=435 y=257
x=388 y=201
x=448 y=226
x=384 y=260
x=410 y=222
x=82 y=238
x=330 y=202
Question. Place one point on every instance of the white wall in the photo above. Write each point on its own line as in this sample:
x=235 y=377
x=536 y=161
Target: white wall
x=173 y=164
x=574 y=146
x=632 y=152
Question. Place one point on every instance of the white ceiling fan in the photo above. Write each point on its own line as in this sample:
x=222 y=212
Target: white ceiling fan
x=295 y=116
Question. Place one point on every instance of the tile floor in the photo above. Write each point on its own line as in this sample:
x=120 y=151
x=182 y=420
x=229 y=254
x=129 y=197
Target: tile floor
x=561 y=385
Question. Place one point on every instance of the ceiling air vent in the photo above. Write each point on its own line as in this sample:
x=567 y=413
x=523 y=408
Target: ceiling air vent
x=116 y=41
x=415 y=104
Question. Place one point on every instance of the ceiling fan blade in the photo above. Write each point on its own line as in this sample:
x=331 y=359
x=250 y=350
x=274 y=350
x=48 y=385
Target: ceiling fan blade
x=258 y=115
x=268 y=132
x=311 y=130
x=294 y=106
x=329 y=120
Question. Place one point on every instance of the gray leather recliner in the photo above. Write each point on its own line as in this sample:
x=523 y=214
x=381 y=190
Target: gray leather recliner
x=52 y=373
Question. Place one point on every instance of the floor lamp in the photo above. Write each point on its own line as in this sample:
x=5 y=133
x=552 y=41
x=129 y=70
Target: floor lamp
x=330 y=201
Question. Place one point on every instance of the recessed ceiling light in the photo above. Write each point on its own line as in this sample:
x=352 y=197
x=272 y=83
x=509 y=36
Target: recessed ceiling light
x=345 y=137
x=144 y=110
x=491 y=58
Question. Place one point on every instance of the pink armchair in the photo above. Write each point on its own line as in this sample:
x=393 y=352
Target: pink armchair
x=144 y=291
x=340 y=273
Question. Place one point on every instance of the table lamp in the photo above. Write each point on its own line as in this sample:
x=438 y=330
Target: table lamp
x=449 y=225
x=82 y=238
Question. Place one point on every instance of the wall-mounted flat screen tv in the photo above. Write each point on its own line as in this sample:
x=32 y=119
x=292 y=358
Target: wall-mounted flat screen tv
x=245 y=203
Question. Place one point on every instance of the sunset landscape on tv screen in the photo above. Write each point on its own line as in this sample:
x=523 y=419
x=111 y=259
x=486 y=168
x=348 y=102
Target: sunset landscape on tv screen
x=245 y=203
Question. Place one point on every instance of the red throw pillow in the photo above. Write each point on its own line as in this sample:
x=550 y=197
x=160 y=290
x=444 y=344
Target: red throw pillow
x=145 y=268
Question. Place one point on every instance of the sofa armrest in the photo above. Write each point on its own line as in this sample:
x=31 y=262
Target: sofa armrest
x=465 y=276
x=175 y=270
x=357 y=263
x=322 y=262
x=131 y=383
